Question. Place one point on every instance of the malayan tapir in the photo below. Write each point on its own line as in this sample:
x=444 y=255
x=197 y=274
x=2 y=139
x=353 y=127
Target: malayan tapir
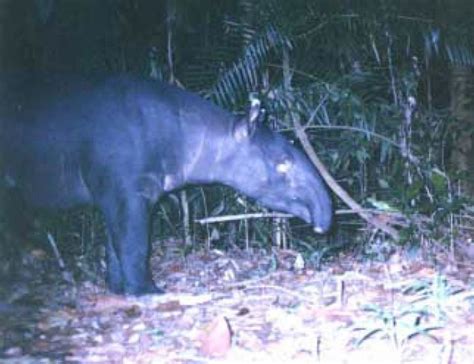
x=122 y=142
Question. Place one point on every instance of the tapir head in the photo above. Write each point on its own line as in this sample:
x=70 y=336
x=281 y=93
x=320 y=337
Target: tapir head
x=266 y=167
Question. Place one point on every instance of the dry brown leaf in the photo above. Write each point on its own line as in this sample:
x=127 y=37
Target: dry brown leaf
x=110 y=302
x=216 y=338
x=327 y=314
x=169 y=306
x=426 y=272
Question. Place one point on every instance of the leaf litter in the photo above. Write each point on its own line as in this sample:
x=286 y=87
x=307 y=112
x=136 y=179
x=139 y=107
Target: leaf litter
x=239 y=307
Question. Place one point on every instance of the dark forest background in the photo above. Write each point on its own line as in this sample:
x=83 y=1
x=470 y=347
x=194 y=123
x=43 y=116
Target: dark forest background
x=386 y=85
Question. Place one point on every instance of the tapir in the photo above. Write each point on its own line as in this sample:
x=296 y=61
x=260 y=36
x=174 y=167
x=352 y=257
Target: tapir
x=121 y=142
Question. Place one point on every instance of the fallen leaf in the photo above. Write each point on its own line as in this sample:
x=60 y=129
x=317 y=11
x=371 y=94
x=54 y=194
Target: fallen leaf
x=216 y=338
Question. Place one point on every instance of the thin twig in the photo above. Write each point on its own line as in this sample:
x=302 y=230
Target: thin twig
x=67 y=276
x=352 y=128
x=54 y=246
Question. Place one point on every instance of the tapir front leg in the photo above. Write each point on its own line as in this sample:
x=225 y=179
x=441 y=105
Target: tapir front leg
x=128 y=247
x=113 y=273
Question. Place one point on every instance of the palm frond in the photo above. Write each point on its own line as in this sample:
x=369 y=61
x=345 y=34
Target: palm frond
x=242 y=76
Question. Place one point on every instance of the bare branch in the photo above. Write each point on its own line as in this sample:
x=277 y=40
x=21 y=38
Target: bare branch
x=380 y=222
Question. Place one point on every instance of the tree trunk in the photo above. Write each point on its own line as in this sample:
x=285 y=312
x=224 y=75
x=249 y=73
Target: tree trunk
x=462 y=156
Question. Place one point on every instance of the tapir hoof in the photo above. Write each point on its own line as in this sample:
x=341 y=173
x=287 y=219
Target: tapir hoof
x=134 y=289
x=149 y=288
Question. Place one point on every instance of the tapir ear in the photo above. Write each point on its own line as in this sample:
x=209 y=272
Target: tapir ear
x=254 y=111
x=245 y=127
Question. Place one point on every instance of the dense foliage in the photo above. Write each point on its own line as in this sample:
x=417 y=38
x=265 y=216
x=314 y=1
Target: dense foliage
x=368 y=79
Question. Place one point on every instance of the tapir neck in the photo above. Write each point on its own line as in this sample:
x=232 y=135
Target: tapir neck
x=207 y=146
x=203 y=147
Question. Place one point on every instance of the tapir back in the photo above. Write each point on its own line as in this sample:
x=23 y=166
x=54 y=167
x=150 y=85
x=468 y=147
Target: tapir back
x=60 y=133
x=57 y=131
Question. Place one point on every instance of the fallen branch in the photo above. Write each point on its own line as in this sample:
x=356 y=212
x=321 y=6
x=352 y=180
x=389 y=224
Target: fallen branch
x=210 y=220
x=399 y=217
x=381 y=222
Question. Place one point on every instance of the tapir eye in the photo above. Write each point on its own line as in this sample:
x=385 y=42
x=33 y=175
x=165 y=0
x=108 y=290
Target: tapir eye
x=284 y=167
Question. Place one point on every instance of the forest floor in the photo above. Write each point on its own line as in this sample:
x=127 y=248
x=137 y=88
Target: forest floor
x=240 y=307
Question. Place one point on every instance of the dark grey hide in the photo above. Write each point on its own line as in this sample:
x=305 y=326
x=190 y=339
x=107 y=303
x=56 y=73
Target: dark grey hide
x=120 y=143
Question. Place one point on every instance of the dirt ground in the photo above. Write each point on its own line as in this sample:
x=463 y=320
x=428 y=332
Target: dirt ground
x=254 y=307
